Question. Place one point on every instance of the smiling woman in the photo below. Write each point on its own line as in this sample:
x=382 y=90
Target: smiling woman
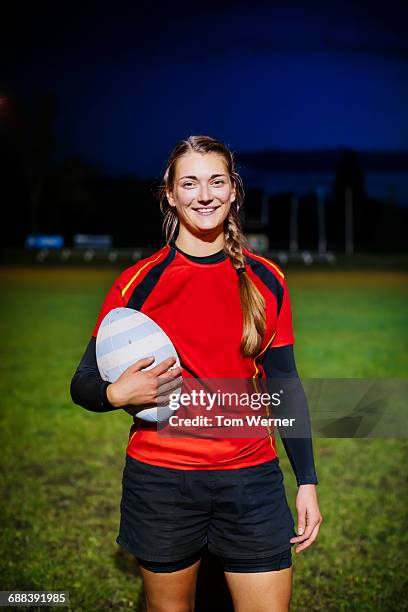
x=227 y=311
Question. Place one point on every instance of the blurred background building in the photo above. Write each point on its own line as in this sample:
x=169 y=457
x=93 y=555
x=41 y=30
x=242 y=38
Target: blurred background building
x=312 y=101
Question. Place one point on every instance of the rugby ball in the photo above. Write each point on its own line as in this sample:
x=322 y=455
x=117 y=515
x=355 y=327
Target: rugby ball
x=126 y=335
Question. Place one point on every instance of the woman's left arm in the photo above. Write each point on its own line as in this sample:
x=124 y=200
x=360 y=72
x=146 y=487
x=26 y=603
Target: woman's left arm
x=280 y=368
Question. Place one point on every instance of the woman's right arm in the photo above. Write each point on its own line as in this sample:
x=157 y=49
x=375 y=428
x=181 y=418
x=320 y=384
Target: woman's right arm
x=88 y=389
x=135 y=386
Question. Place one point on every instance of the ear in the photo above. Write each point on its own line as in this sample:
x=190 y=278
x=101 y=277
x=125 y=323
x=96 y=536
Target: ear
x=233 y=192
x=170 y=198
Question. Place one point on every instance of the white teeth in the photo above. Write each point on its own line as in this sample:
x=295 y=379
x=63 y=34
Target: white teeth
x=205 y=211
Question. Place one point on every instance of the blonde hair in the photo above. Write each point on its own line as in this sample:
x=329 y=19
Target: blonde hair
x=252 y=301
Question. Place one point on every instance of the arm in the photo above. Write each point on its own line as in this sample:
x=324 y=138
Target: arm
x=134 y=388
x=88 y=389
x=279 y=364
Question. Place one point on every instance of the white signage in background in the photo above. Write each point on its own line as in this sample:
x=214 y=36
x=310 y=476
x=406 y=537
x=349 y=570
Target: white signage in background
x=93 y=241
x=258 y=242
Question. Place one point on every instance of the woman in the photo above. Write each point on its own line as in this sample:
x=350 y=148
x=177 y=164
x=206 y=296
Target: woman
x=227 y=311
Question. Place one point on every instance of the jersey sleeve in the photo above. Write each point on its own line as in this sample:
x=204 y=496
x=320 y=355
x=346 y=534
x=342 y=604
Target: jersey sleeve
x=113 y=299
x=284 y=328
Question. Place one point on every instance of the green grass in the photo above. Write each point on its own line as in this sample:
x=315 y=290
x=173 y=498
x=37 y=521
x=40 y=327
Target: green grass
x=61 y=465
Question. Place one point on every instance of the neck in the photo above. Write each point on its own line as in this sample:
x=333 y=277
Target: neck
x=200 y=246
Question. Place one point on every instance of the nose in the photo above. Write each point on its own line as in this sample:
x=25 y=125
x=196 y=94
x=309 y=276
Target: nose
x=204 y=195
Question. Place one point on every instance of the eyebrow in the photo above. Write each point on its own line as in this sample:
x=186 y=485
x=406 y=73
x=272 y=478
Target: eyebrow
x=191 y=176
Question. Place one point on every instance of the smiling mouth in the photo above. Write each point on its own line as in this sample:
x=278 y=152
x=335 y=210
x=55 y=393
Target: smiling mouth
x=206 y=211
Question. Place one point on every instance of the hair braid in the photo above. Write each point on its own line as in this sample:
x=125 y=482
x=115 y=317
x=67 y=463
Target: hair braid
x=252 y=301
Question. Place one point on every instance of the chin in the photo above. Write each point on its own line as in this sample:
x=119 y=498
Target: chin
x=208 y=226
x=209 y=230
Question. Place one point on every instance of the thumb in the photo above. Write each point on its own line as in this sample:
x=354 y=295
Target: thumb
x=301 y=522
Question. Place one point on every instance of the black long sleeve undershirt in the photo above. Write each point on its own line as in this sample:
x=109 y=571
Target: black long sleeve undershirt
x=280 y=369
x=88 y=390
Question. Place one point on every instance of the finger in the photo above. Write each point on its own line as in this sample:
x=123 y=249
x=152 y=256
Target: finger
x=163 y=366
x=162 y=401
x=297 y=539
x=168 y=396
x=301 y=522
x=310 y=540
x=307 y=532
x=172 y=385
x=169 y=377
x=305 y=536
x=140 y=364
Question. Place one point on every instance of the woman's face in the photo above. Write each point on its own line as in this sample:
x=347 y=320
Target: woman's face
x=202 y=192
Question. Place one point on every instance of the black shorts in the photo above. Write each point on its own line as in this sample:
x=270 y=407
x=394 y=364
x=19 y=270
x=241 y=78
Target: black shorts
x=170 y=516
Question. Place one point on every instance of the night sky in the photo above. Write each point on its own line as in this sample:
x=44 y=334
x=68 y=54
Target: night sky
x=133 y=81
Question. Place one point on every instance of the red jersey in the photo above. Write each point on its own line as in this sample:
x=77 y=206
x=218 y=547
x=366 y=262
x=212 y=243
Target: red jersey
x=196 y=302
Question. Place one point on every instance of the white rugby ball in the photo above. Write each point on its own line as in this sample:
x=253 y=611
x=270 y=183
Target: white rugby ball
x=126 y=335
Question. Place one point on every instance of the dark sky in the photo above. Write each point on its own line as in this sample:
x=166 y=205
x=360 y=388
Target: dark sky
x=258 y=75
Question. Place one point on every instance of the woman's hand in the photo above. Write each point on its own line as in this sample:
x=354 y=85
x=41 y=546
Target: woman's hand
x=309 y=517
x=138 y=387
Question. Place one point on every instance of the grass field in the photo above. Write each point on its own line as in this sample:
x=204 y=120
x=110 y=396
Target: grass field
x=61 y=465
